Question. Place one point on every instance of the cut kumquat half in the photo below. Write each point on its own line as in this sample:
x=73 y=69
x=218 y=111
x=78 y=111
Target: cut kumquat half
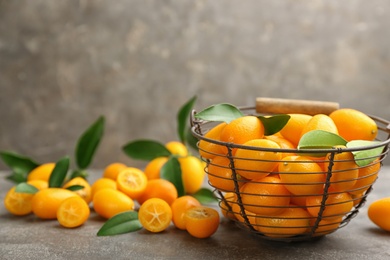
x=179 y=207
x=73 y=212
x=155 y=215
x=132 y=181
x=17 y=203
x=201 y=221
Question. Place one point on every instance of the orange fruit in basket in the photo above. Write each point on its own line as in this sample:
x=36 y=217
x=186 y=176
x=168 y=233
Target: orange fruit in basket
x=299 y=200
x=291 y=222
x=201 y=221
x=301 y=176
x=378 y=212
x=366 y=177
x=229 y=198
x=159 y=188
x=241 y=130
x=265 y=196
x=344 y=171
x=177 y=148
x=282 y=142
x=354 y=125
x=255 y=164
x=179 y=206
x=155 y=215
x=209 y=150
x=132 y=181
x=336 y=205
x=240 y=216
x=153 y=168
x=293 y=129
x=219 y=174
x=320 y=122
x=325 y=226
x=112 y=170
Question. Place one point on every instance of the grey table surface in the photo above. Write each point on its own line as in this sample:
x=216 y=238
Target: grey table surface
x=31 y=238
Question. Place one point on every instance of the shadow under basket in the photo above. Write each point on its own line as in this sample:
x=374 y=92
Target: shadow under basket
x=281 y=205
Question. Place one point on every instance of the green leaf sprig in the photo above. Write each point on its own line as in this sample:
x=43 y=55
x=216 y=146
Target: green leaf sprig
x=121 y=223
x=319 y=139
x=221 y=112
x=273 y=124
x=88 y=143
x=86 y=147
x=20 y=165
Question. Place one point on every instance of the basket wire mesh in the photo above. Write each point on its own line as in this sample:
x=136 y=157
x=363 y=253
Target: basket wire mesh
x=281 y=227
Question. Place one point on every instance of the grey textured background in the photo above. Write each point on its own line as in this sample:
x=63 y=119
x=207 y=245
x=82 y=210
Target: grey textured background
x=65 y=63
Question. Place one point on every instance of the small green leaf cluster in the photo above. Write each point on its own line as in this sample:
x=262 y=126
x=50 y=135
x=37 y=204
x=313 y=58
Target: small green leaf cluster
x=86 y=147
x=319 y=139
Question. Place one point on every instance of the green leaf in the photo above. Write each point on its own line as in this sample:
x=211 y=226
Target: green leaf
x=220 y=112
x=17 y=177
x=79 y=173
x=24 y=187
x=59 y=172
x=319 y=139
x=171 y=171
x=145 y=150
x=88 y=143
x=205 y=196
x=19 y=165
x=273 y=124
x=121 y=223
x=75 y=187
x=365 y=157
x=192 y=141
x=183 y=117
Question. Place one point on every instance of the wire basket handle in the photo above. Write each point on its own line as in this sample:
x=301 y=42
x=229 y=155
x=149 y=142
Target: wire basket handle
x=290 y=106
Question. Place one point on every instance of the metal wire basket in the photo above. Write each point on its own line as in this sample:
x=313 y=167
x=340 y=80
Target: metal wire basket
x=296 y=227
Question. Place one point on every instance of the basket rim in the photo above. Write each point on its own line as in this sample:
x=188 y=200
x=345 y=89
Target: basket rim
x=196 y=127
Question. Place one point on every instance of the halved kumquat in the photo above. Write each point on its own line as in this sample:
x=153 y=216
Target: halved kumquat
x=132 y=181
x=201 y=221
x=73 y=212
x=155 y=215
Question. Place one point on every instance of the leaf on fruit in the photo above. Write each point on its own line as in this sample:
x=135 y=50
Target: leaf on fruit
x=365 y=157
x=221 y=112
x=205 y=196
x=171 y=171
x=121 y=223
x=192 y=141
x=19 y=165
x=59 y=172
x=88 y=143
x=273 y=124
x=183 y=118
x=24 y=187
x=145 y=150
x=75 y=187
x=319 y=139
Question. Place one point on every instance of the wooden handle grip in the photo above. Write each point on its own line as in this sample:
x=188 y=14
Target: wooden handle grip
x=290 y=106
